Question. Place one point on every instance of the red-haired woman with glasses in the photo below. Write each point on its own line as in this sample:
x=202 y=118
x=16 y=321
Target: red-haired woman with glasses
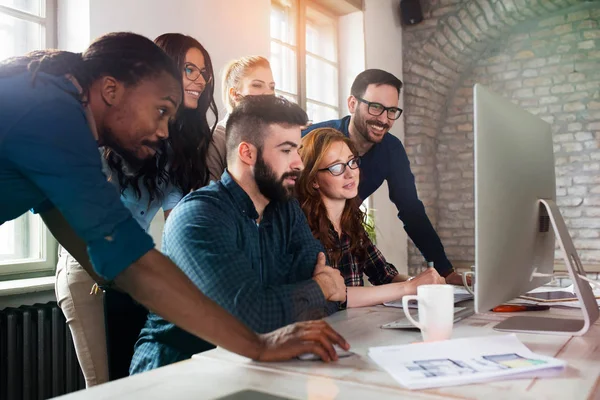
x=328 y=194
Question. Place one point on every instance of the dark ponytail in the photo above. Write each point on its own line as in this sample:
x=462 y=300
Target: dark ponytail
x=52 y=62
x=126 y=56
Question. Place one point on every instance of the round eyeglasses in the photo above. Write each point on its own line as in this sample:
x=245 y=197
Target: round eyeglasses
x=192 y=72
x=340 y=168
x=377 y=109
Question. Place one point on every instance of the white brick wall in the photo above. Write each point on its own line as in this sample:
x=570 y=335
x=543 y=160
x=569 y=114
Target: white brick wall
x=548 y=65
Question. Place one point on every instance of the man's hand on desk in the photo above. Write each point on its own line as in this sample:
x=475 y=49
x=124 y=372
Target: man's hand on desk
x=456 y=279
x=302 y=337
x=329 y=280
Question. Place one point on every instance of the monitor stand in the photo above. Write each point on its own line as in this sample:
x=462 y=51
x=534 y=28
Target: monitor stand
x=585 y=294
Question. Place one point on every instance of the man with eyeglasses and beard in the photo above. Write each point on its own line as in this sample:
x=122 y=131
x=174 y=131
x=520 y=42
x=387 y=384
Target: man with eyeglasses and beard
x=373 y=106
x=243 y=240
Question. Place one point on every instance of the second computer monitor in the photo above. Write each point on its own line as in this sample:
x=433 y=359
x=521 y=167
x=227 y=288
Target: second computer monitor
x=514 y=168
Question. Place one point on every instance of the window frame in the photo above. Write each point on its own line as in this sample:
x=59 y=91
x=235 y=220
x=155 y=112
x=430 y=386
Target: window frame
x=335 y=21
x=300 y=50
x=292 y=47
x=49 y=22
x=45 y=264
x=48 y=251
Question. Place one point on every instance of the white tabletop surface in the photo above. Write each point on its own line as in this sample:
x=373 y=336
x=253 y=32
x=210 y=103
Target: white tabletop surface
x=218 y=373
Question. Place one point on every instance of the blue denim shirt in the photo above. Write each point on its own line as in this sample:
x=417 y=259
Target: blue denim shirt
x=49 y=158
x=143 y=208
x=260 y=273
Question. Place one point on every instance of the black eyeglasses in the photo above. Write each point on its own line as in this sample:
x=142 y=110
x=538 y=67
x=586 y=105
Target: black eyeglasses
x=192 y=72
x=340 y=168
x=377 y=109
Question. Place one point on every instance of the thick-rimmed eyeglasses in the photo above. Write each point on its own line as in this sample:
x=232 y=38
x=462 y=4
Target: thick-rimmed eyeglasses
x=377 y=109
x=340 y=168
x=192 y=72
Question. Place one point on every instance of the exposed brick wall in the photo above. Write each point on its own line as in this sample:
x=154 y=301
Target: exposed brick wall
x=543 y=54
x=552 y=71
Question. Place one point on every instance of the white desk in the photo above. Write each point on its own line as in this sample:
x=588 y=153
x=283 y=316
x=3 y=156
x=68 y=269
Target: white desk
x=217 y=372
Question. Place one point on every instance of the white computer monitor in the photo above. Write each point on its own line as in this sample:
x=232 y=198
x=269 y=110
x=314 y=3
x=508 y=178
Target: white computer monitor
x=516 y=217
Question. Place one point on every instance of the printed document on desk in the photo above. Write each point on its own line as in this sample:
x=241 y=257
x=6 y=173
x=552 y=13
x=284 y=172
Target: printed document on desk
x=460 y=294
x=462 y=361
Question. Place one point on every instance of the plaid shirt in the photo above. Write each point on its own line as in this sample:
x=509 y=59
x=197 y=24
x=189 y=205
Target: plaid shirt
x=260 y=273
x=372 y=264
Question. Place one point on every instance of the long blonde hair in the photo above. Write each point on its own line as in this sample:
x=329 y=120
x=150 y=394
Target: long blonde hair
x=235 y=71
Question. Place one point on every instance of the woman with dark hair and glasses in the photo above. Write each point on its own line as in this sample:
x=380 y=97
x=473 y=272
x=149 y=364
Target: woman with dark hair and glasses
x=183 y=162
x=328 y=194
x=190 y=136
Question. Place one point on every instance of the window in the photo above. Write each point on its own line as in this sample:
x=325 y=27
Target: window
x=304 y=56
x=26 y=25
x=25 y=243
x=284 y=51
x=321 y=66
x=26 y=246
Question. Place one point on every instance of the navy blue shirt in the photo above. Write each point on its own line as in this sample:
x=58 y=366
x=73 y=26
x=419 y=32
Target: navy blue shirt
x=260 y=273
x=49 y=158
x=388 y=161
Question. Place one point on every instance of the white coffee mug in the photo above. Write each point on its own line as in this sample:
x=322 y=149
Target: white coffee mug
x=436 y=311
x=465 y=276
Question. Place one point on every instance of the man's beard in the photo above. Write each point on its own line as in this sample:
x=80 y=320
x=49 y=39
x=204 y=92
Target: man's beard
x=268 y=184
x=361 y=125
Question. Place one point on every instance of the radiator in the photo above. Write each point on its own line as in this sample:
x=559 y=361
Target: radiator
x=37 y=357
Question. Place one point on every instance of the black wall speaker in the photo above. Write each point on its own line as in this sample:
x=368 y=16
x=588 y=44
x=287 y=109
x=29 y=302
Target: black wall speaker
x=411 y=12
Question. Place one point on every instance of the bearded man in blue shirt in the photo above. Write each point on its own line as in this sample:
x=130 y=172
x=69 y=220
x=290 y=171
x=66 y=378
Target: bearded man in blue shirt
x=373 y=106
x=243 y=240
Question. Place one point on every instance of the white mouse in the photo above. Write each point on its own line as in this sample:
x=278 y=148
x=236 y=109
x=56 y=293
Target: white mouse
x=313 y=357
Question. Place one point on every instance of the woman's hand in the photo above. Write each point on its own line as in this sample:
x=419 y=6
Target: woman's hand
x=428 y=277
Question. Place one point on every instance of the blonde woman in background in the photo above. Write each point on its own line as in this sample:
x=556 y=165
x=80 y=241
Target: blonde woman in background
x=246 y=76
